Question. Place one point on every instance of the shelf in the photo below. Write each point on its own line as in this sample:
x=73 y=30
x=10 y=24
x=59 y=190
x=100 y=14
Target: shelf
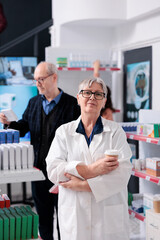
x=139 y=216
x=83 y=69
x=142 y=174
x=134 y=136
x=23 y=175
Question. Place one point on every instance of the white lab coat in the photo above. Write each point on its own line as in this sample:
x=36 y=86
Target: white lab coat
x=103 y=213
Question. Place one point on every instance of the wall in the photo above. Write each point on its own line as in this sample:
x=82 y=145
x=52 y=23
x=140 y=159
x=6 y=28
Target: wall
x=140 y=8
x=136 y=34
x=23 y=16
x=117 y=25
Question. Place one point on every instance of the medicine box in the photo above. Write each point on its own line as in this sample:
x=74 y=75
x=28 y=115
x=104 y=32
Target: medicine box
x=153 y=166
x=2 y=136
x=11 y=157
x=15 y=135
x=9 y=137
x=30 y=154
x=17 y=153
x=2 y=202
x=147 y=201
x=149 y=130
x=7 y=200
x=4 y=157
x=24 y=155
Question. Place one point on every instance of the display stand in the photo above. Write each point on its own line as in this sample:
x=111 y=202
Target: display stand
x=23 y=176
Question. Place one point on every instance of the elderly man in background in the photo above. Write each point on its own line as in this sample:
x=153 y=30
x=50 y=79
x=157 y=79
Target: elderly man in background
x=43 y=115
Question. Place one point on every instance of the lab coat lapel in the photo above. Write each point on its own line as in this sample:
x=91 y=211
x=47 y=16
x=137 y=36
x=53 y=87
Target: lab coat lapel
x=97 y=139
x=82 y=146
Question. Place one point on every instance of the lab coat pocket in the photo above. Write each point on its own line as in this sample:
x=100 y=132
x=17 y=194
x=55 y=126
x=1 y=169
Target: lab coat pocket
x=114 y=219
x=67 y=222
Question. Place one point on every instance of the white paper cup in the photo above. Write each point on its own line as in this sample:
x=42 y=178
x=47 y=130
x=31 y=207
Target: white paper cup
x=112 y=153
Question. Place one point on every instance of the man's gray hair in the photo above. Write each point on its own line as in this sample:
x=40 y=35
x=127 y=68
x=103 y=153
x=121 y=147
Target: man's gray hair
x=51 y=68
x=89 y=81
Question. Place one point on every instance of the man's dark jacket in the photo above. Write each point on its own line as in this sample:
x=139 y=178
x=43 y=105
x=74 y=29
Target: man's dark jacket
x=65 y=111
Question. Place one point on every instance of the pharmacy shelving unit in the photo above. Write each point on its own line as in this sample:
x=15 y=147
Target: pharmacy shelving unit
x=148 y=147
x=87 y=69
x=22 y=175
x=134 y=136
x=70 y=77
x=143 y=175
x=139 y=216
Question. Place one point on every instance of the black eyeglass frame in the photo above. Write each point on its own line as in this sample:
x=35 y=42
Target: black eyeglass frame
x=41 y=80
x=94 y=93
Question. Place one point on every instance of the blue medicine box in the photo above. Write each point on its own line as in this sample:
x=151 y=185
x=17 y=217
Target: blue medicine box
x=15 y=135
x=9 y=137
x=2 y=137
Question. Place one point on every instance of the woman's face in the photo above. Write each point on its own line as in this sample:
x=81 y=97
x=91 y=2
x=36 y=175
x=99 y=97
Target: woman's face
x=91 y=104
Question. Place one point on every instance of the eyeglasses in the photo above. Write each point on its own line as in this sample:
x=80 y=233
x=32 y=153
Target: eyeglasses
x=88 y=94
x=41 y=79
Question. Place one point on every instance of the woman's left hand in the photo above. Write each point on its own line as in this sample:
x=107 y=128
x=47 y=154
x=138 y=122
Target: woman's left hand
x=75 y=184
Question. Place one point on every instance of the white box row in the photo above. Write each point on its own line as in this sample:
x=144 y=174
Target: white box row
x=16 y=156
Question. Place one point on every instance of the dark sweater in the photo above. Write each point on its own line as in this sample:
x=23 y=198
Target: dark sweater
x=65 y=111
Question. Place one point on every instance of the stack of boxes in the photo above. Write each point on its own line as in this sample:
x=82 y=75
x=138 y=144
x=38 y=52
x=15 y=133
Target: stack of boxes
x=147 y=202
x=9 y=136
x=61 y=62
x=141 y=202
x=149 y=130
x=153 y=166
x=14 y=155
x=18 y=223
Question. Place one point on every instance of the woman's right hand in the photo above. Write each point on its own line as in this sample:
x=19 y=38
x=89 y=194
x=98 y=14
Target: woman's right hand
x=100 y=167
x=3 y=119
x=104 y=165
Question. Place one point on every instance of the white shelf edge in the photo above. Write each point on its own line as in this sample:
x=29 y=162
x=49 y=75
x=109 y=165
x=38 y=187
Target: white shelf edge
x=23 y=175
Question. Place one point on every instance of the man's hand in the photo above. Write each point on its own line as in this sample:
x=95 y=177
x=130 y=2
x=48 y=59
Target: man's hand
x=75 y=184
x=3 y=119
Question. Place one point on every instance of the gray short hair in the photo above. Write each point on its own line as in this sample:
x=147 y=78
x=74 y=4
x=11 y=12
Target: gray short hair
x=89 y=81
x=51 y=68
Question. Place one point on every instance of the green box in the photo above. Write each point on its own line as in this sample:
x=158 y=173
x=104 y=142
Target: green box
x=157 y=130
x=35 y=221
x=1 y=228
x=11 y=223
x=17 y=223
x=5 y=225
x=29 y=221
x=23 y=223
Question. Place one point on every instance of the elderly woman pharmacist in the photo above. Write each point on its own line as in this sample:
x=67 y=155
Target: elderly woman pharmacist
x=92 y=186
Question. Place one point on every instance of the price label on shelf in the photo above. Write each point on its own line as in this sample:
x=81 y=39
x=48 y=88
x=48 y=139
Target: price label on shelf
x=131 y=136
x=65 y=69
x=148 y=140
x=148 y=178
x=83 y=69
